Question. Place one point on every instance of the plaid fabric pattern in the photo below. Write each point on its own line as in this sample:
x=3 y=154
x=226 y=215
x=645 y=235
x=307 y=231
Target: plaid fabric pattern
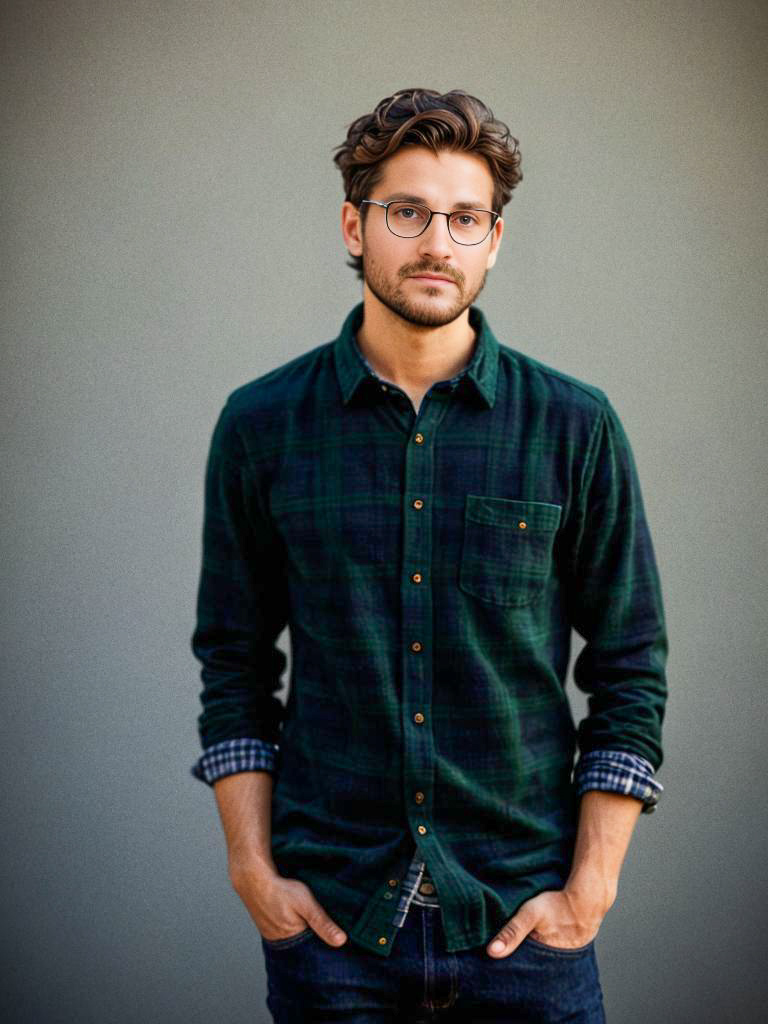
x=610 y=770
x=232 y=756
x=416 y=876
x=619 y=772
x=430 y=567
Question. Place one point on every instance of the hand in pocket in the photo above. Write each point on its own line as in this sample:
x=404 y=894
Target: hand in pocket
x=283 y=907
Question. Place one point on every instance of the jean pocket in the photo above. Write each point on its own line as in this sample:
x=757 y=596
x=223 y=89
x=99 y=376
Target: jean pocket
x=557 y=950
x=290 y=940
x=506 y=556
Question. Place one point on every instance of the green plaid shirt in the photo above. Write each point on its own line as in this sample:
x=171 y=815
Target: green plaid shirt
x=430 y=567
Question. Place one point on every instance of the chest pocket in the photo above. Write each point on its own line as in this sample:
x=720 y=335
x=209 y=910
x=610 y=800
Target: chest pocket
x=506 y=555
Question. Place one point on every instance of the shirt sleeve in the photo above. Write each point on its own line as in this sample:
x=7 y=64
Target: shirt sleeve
x=615 y=603
x=239 y=755
x=618 y=771
x=241 y=611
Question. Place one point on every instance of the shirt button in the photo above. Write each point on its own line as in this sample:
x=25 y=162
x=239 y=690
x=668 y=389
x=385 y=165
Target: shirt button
x=382 y=940
x=418 y=797
x=427 y=888
x=416 y=577
x=418 y=438
x=522 y=524
x=393 y=882
x=384 y=387
x=422 y=830
x=415 y=646
x=418 y=718
x=418 y=503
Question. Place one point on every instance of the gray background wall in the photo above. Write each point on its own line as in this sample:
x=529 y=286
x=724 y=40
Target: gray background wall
x=171 y=230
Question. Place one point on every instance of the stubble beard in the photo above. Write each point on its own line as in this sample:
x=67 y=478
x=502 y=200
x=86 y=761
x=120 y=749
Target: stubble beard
x=393 y=297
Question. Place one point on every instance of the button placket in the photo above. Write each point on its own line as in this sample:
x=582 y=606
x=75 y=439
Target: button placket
x=417 y=624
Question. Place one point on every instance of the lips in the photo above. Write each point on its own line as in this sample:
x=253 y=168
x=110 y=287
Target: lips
x=432 y=277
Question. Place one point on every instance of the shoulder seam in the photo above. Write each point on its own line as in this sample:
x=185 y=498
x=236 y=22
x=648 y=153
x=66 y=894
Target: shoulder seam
x=313 y=353
x=591 y=453
x=592 y=390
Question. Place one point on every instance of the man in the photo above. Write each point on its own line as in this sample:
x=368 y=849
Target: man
x=431 y=512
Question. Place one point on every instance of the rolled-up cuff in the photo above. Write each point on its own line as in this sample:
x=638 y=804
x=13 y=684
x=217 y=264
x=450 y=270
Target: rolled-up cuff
x=244 y=754
x=619 y=771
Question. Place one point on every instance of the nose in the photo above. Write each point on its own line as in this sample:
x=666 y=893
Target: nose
x=436 y=241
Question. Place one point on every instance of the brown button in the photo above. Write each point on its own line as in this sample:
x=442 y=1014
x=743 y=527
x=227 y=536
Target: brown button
x=427 y=888
x=418 y=438
x=415 y=646
x=416 y=577
x=422 y=830
x=382 y=940
x=393 y=882
x=418 y=718
x=418 y=797
x=522 y=524
x=418 y=503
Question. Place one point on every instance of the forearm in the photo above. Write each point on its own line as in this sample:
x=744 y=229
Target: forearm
x=606 y=823
x=244 y=801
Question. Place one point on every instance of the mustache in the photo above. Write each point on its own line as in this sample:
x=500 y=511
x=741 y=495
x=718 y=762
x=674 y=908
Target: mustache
x=442 y=271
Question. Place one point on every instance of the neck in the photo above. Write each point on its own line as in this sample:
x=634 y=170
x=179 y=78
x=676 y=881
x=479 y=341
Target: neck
x=409 y=355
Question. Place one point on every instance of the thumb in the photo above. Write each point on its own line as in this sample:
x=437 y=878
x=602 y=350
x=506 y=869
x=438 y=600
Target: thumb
x=508 y=938
x=326 y=928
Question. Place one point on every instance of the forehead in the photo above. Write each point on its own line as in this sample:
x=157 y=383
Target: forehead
x=440 y=178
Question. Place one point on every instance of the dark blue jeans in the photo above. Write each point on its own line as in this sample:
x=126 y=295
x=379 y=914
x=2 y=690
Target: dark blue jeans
x=311 y=981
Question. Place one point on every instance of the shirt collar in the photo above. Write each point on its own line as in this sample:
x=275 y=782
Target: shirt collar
x=352 y=368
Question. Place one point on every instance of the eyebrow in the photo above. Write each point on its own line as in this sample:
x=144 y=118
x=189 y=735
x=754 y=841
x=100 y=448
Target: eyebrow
x=471 y=204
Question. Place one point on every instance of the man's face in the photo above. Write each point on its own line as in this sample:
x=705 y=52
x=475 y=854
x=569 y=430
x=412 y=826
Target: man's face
x=443 y=181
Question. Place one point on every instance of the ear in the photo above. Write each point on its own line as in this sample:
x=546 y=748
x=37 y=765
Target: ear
x=498 y=231
x=352 y=228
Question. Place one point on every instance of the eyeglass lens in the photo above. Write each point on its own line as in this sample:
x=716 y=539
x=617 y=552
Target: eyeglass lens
x=468 y=226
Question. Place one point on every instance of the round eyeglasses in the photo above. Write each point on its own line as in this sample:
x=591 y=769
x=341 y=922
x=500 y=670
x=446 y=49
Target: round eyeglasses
x=408 y=220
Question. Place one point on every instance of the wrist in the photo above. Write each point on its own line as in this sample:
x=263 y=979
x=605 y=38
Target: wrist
x=592 y=887
x=250 y=860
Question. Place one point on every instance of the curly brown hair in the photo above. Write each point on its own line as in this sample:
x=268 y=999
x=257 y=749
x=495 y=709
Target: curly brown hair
x=453 y=120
